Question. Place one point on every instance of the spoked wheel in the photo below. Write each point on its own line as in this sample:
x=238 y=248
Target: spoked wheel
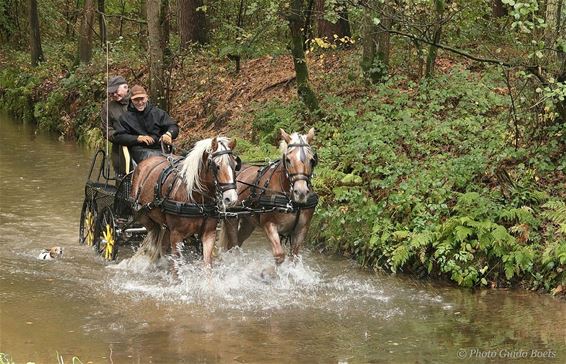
x=106 y=236
x=87 y=225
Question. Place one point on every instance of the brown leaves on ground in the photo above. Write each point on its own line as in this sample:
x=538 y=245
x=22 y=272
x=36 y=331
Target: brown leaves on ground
x=209 y=95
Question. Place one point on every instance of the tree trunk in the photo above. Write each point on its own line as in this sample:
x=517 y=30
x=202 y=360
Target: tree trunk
x=142 y=28
x=102 y=22
x=157 y=81
x=239 y=24
x=307 y=29
x=85 y=38
x=10 y=25
x=165 y=25
x=296 y=21
x=552 y=18
x=123 y=13
x=561 y=105
x=192 y=23
x=70 y=17
x=326 y=29
x=376 y=46
x=498 y=10
x=35 y=37
x=433 y=49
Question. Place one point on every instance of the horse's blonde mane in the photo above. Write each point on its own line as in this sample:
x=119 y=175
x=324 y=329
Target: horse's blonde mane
x=193 y=163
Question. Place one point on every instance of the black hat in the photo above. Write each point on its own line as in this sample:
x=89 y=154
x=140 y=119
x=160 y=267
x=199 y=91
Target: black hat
x=114 y=83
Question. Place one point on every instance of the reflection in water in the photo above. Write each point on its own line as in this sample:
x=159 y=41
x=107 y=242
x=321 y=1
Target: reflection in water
x=317 y=309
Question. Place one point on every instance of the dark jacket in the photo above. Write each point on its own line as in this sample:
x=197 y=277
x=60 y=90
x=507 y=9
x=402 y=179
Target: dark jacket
x=115 y=110
x=151 y=121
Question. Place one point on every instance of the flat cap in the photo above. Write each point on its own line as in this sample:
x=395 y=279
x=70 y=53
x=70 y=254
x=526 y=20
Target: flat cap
x=114 y=83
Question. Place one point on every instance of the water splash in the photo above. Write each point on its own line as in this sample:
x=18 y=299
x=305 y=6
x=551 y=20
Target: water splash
x=247 y=282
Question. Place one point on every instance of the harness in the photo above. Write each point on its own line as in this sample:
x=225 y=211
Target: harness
x=279 y=201
x=181 y=208
x=184 y=209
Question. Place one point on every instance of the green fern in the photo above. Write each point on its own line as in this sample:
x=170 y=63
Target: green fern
x=556 y=212
x=400 y=256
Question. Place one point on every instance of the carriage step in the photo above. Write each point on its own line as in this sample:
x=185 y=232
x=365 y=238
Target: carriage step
x=135 y=230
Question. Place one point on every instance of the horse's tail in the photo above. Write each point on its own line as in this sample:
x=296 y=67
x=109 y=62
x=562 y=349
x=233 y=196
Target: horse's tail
x=152 y=245
x=227 y=234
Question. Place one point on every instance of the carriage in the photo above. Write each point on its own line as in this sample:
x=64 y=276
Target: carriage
x=107 y=217
x=185 y=198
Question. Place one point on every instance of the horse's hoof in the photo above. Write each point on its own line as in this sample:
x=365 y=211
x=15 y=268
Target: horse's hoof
x=268 y=274
x=279 y=259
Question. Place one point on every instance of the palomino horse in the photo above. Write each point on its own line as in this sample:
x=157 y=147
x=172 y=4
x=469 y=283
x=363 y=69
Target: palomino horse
x=287 y=179
x=177 y=199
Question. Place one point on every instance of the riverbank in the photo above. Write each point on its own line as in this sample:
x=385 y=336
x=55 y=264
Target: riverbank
x=427 y=178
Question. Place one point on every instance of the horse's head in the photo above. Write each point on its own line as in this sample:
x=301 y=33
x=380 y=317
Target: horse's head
x=212 y=165
x=299 y=161
x=224 y=164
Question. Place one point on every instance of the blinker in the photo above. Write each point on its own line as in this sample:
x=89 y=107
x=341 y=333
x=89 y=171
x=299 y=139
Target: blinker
x=238 y=163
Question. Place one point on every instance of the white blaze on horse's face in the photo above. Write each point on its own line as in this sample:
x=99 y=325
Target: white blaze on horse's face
x=299 y=163
x=226 y=175
x=230 y=197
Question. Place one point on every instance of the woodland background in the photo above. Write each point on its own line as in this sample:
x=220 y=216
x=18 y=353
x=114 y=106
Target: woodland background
x=440 y=124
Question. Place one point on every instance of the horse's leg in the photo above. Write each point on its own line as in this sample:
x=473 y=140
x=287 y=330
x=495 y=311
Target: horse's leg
x=163 y=240
x=245 y=229
x=297 y=240
x=175 y=238
x=208 y=238
x=228 y=234
x=300 y=233
x=273 y=236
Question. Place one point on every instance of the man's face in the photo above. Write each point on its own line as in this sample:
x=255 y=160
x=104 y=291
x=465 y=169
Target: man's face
x=121 y=92
x=140 y=103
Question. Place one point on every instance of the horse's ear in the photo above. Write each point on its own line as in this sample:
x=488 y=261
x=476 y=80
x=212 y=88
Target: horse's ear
x=232 y=144
x=286 y=137
x=310 y=136
x=213 y=145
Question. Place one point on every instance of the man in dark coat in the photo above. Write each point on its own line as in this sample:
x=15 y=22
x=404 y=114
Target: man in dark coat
x=115 y=105
x=144 y=126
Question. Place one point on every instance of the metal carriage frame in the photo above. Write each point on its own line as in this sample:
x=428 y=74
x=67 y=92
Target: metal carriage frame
x=107 y=217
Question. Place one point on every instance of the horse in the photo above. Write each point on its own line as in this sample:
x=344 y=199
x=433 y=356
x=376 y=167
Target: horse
x=178 y=198
x=288 y=181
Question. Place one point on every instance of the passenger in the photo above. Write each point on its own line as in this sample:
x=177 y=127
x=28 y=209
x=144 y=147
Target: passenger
x=144 y=126
x=115 y=105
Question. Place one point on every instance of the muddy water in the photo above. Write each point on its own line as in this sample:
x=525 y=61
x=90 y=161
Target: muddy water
x=317 y=310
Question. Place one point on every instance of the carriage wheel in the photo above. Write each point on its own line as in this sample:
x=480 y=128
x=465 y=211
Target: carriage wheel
x=106 y=236
x=87 y=225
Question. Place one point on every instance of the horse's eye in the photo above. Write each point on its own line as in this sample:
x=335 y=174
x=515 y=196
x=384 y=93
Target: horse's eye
x=288 y=160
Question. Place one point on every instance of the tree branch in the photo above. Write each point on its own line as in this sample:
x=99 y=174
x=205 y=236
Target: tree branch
x=454 y=50
x=122 y=17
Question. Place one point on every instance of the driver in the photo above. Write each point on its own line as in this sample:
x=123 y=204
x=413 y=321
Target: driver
x=143 y=126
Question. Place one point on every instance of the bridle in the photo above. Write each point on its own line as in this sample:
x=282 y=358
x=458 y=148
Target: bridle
x=222 y=187
x=294 y=177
